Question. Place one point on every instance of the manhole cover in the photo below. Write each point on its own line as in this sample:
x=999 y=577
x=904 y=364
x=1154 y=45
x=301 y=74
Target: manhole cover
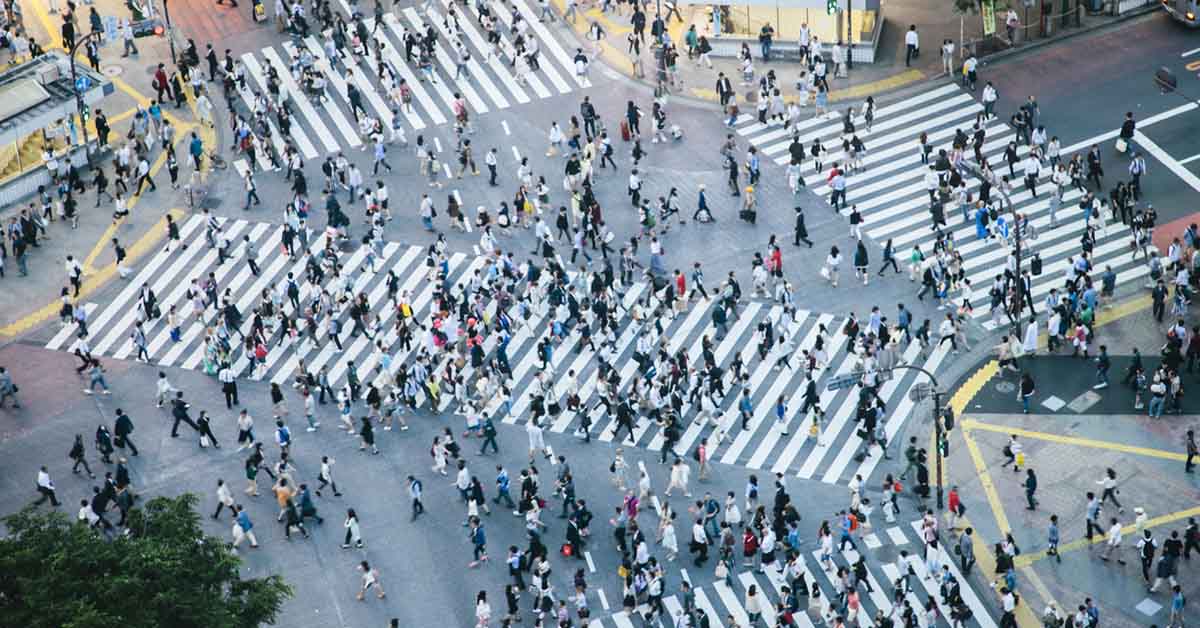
x=210 y=202
x=1006 y=387
x=112 y=71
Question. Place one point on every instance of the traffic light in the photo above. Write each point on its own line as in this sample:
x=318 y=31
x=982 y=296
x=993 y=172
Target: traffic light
x=831 y=7
x=948 y=419
x=85 y=113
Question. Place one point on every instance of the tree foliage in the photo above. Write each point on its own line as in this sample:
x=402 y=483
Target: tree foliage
x=964 y=7
x=56 y=573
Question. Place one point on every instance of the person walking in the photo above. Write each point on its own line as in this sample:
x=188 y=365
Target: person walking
x=243 y=529
x=1052 y=539
x=353 y=532
x=78 y=453
x=123 y=427
x=1114 y=542
x=224 y=500
x=7 y=387
x=1031 y=485
x=370 y=579
x=45 y=486
x=414 y=492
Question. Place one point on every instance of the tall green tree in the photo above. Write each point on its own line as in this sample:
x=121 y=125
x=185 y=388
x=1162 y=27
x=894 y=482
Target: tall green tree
x=57 y=573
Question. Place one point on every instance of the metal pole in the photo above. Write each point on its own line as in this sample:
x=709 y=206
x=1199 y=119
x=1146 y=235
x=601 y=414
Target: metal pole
x=170 y=31
x=87 y=149
x=937 y=427
x=849 y=36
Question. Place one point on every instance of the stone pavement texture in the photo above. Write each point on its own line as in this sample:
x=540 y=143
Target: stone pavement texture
x=1069 y=450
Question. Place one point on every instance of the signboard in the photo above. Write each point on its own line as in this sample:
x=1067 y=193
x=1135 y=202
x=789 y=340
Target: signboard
x=844 y=381
x=988 y=11
x=110 y=28
x=83 y=83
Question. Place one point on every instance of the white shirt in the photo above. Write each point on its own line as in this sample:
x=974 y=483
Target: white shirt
x=911 y=39
x=44 y=480
x=989 y=94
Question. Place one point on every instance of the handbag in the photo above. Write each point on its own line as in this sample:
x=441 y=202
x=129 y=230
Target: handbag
x=1122 y=145
x=825 y=272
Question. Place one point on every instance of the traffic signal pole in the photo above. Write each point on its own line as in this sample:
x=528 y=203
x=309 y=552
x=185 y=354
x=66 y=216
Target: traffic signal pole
x=80 y=108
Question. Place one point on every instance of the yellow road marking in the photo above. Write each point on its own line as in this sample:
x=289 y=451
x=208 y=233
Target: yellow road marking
x=973 y=424
x=856 y=92
x=155 y=168
x=147 y=243
x=1024 y=560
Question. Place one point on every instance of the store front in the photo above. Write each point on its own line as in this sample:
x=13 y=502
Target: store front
x=858 y=22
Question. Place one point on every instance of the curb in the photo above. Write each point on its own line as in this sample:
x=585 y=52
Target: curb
x=861 y=92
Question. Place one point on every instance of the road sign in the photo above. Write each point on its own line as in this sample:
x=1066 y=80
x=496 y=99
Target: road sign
x=919 y=391
x=82 y=83
x=850 y=380
x=988 y=13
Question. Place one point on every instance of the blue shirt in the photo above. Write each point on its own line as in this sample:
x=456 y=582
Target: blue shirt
x=502 y=481
x=243 y=520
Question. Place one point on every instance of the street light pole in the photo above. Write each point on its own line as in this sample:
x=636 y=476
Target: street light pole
x=170 y=31
x=79 y=106
x=937 y=427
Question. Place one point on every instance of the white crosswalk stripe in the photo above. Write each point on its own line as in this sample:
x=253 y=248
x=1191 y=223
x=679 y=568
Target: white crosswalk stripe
x=329 y=124
x=891 y=194
x=762 y=445
x=725 y=602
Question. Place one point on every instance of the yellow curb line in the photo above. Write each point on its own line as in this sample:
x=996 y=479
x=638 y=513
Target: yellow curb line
x=155 y=168
x=959 y=401
x=973 y=424
x=1025 y=560
x=147 y=243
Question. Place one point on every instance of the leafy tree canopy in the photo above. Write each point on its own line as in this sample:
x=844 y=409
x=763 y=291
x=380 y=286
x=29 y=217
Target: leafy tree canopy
x=57 y=573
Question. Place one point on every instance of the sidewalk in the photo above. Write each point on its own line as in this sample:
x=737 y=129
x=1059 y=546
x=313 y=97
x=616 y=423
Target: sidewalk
x=934 y=24
x=35 y=299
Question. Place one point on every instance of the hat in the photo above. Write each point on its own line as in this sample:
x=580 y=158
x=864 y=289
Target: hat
x=1139 y=511
x=701 y=186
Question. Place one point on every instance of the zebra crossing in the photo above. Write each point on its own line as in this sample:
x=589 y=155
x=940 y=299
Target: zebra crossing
x=323 y=125
x=890 y=192
x=833 y=455
x=721 y=600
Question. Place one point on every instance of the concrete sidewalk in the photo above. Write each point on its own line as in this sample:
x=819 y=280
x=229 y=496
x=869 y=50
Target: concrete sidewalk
x=934 y=24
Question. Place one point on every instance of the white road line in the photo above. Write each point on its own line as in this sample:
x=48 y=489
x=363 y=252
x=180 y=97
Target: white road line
x=448 y=64
x=853 y=441
x=504 y=123
x=293 y=92
x=715 y=619
x=1167 y=160
x=603 y=598
x=162 y=281
x=130 y=291
x=475 y=71
x=550 y=46
x=256 y=74
x=968 y=593
x=1189 y=53
x=439 y=86
x=437 y=144
x=68 y=331
x=897 y=417
x=335 y=113
x=730 y=600
x=494 y=61
x=794 y=403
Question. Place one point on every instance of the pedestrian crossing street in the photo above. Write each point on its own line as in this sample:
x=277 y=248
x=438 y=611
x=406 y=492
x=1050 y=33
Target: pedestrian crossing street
x=321 y=126
x=721 y=601
x=830 y=457
x=891 y=196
